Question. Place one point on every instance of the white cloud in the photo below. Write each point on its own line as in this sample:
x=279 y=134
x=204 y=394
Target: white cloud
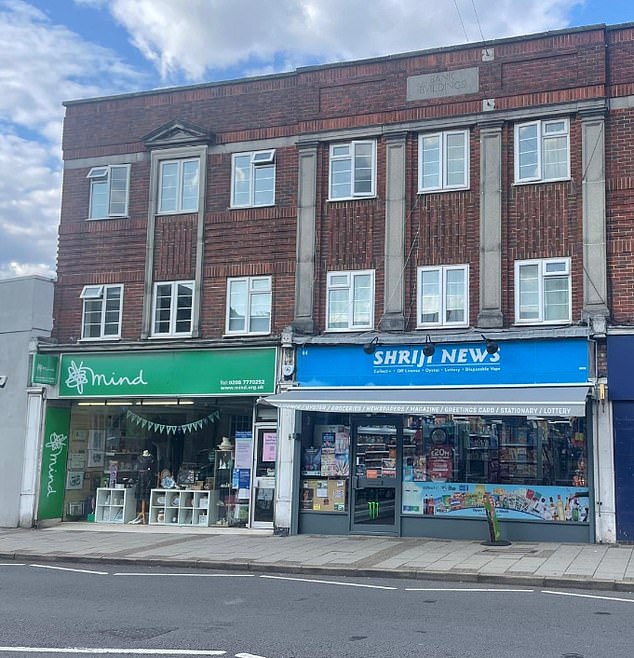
x=214 y=35
x=44 y=65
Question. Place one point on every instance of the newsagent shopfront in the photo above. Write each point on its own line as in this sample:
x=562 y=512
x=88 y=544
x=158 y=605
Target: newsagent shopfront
x=158 y=437
x=399 y=443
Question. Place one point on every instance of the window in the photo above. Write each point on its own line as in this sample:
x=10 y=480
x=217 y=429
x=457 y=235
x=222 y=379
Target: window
x=253 y=179
x=178 y=186
x=109 y=191
x=249 y=305
x=352 y=170
x=173 y=306
x=443 y=161
x=102 y=312
x=542 y=151
x=443 y=298
x=350 y=300
x=542 y=291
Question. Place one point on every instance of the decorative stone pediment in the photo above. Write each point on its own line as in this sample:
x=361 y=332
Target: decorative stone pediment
x=177 y=133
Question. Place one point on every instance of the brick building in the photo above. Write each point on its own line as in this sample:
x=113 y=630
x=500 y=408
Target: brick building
x=418 y=259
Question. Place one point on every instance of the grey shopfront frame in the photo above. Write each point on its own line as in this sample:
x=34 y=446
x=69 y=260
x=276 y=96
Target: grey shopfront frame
x=362 y=405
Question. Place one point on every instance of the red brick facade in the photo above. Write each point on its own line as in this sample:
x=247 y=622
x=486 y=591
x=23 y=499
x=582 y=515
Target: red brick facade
x=526 y=78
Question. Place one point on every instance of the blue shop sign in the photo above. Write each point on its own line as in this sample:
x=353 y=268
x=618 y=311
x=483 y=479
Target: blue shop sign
x=452 y=364
x=620 y=367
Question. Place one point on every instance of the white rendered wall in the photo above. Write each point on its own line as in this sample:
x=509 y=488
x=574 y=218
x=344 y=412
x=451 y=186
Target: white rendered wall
x=26 y=312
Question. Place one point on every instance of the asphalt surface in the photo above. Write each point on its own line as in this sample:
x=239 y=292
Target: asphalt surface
x=540 y=564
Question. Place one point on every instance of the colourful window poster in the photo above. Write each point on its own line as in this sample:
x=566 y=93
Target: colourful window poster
x=456 y=499
x=269 y=446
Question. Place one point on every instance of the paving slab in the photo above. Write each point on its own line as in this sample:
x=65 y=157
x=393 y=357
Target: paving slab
x=549 y=564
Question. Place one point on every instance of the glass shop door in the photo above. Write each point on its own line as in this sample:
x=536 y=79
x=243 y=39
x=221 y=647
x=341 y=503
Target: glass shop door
x=264 y=469
x=376 y=477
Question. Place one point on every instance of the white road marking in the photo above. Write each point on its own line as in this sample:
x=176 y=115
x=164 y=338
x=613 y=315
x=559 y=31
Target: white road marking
x=248 y=655
x=120 y=652
x=187 y=575
x=48 y=566
x=589 y=596
x=464 y=589
x=11 y=564
x=328 y=582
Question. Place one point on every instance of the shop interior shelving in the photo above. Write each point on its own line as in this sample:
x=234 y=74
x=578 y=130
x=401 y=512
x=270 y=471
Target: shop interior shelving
x=114 y=505
x=188 y=507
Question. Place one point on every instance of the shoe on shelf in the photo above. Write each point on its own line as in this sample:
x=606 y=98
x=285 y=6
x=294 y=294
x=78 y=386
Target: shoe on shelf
x=135 y=521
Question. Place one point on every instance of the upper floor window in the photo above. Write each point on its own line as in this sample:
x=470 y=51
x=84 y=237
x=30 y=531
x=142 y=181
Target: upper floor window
x=102 y=311
x=109 y=191
x=253 y=179
x=179 y=181
x=542 y=151
x=542 y=291
x=443 y=296
x=352 y=169
x=249 y=305
x=350 y=300
x=173 y=308
x=443 y=161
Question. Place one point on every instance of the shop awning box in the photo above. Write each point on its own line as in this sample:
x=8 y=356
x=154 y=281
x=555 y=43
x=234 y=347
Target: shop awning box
x=544 y=401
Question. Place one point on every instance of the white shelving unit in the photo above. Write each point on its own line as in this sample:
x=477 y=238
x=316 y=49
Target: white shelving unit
x=115 y=505
x=189 y=507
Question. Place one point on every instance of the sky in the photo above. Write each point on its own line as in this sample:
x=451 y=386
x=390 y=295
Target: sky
x=60 y=50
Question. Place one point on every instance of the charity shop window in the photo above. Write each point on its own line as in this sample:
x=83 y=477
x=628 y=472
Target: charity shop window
x=352 y=170
x=101 y=316
x=179 y=182
x=350 y=300
x=443 y=296
x=253 y=179
x=542 y=291
x=443 y=161
x=109 y=187
x=249 y=305
x=173 y=308
x=542 y=151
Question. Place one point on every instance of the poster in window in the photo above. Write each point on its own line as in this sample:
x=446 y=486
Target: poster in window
x=269 y=445
x=74 y=480
x=96 y=459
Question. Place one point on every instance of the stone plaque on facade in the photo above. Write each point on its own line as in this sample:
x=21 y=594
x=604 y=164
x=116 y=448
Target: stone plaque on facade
x=440 y=85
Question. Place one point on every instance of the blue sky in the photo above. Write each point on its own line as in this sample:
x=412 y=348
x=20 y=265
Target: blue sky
x=71 y=49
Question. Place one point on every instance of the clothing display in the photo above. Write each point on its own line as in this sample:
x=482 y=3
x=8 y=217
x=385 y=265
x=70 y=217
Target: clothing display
x=146 y=477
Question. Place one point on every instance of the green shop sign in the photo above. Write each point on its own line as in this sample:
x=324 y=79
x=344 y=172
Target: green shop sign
x=44 y=369
x=248 y=371
x=54 y=454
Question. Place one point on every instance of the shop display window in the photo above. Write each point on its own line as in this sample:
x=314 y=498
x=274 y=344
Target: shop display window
x=325 y=465
x=195 y=447
x=535 y=469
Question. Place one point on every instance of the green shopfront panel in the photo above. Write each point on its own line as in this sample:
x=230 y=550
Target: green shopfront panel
x=177 y=373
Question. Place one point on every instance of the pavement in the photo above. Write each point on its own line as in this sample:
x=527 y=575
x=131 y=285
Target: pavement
x=534 y=564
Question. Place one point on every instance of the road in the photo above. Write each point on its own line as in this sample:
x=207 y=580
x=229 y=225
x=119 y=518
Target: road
x=59 y=610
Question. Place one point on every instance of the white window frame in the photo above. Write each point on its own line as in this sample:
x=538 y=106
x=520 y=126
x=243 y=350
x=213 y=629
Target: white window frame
x=180 y=162
x=443 y=183
x=259 y=160
x=349 y=285
x=543 y=136
x=351 y=155
x=91 y=293
x=103 y=175
x=173 y=308
x=443 y=271
x=252 y=291
x=542 y=274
